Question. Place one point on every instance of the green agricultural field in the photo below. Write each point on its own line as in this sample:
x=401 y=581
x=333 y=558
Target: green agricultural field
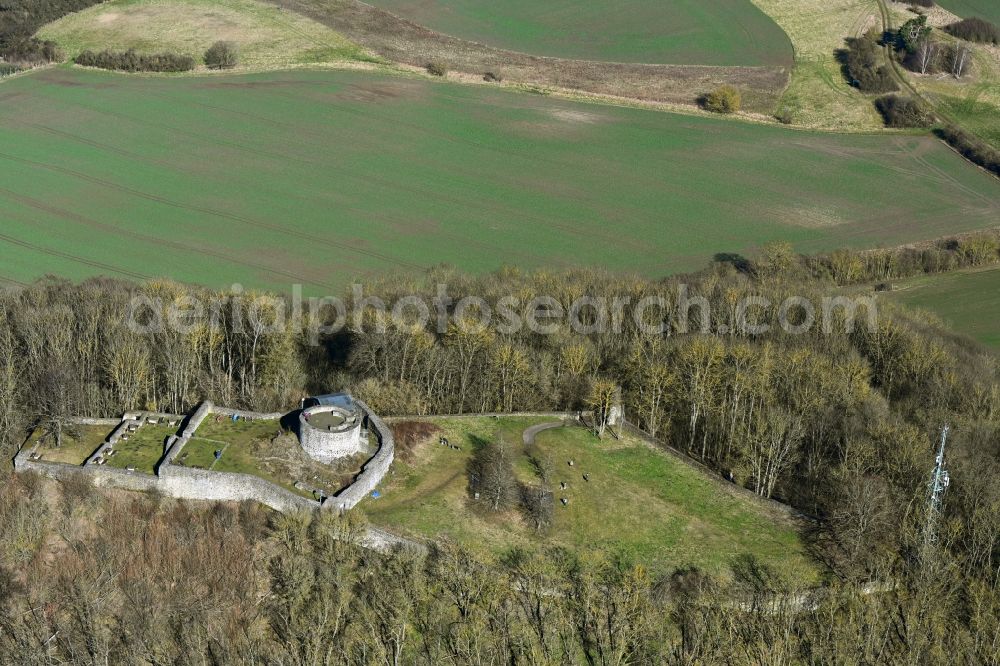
x=321 y=177
x=266 y=37
x=986 y=9
x=722 y=32
x=639 y=502
x=78 y=443
x=143 y=449
x=968 y=301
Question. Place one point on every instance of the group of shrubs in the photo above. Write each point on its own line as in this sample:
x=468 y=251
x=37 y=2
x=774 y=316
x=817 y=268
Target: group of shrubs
x=724 y=99
x=130 y=61
x=900 y=111
x=846 y=267
x=975 y=30
x=914 y=46
x=864 y=65
x=20 y=19
x=913 y=43
x=436 y=69
x=221 y=55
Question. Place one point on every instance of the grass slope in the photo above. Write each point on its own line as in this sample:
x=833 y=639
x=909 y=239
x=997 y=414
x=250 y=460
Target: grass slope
x=323 y=177
x=968 y=301
x=722 y=32
x=267 y=37
x=639 y=502
x=818 y=96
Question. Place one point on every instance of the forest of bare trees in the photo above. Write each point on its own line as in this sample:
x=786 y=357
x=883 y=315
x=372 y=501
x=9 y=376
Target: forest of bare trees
x=840 y=422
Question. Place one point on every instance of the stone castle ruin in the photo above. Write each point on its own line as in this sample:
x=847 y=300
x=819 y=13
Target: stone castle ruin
x=330 y=428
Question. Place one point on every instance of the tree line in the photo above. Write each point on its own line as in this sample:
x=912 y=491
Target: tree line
x=21 y=19
x=131 y=61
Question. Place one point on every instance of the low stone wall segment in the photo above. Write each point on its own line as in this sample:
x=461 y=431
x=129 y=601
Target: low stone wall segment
x=199 y=484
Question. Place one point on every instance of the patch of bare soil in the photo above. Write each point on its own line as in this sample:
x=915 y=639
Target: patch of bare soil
x=810 y=217
x=248 y=85
x=401 y=41
x=410 y=436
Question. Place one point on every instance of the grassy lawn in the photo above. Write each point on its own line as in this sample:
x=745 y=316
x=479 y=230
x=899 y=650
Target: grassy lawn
x=267 y=37
x=78 y=443
x=818 y=95
x=639 y=501
x=240 y=433
x=260 y=448
x=968 y=301
x=143 y=449
x=319 y=178
x=722 y=32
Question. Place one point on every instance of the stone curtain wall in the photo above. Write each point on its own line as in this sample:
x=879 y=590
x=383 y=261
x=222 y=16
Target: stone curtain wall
x=102 y=477
x=199 y=484
x=81 y=420
x=128 y=419
x=374 y=470
x=171 y=480
x=200 y=414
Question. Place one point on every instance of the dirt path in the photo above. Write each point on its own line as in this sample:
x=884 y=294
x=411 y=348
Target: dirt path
x=528 y=437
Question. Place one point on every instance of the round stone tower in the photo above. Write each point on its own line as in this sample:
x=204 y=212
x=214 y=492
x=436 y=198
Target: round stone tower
x=331 y=429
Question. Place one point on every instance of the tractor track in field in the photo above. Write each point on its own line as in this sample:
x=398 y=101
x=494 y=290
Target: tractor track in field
x=374 y=178
x=152 y=240
x=91 y=143
x=444 y=137
x=72 y=257
x=361 y=178
x=14 y=282
x=210 y=211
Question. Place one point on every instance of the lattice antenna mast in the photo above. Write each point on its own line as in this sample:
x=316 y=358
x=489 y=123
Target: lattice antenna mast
x=939 y=483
